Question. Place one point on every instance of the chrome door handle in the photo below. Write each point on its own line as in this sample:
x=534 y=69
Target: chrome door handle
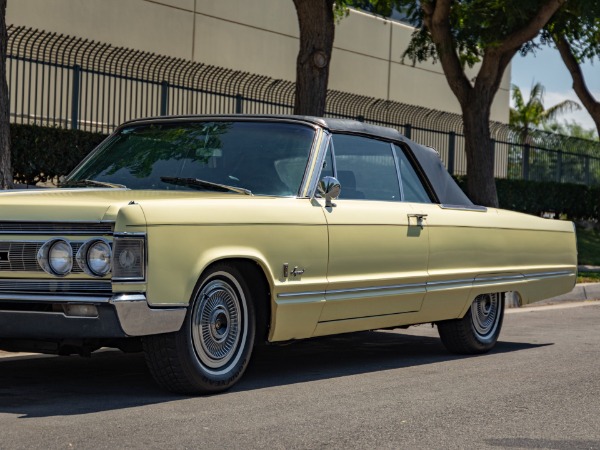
x=419 y=218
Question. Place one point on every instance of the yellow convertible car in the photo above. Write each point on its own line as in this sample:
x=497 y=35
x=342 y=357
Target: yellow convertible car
x=196 y=238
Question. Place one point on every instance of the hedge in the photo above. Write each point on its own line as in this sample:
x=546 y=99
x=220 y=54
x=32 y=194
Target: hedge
x=42 y=153
x=573 y=201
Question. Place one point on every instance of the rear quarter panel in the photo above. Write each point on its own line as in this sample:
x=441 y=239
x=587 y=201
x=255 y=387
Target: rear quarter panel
x=476 y=252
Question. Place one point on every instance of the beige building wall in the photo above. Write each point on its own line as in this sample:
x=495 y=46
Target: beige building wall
x=257 y=36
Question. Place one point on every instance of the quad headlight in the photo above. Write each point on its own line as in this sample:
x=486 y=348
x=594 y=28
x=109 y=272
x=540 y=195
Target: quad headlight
x=94 y=257
x=56 y=257
x=126 y=257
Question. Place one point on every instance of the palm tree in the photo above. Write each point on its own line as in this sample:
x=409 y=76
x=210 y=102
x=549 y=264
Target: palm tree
x=532 y=114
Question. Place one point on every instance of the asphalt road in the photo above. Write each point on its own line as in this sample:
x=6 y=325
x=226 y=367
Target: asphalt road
x=539 y=388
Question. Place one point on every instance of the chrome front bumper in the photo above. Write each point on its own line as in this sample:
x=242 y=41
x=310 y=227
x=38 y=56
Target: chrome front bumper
x=34 y=316
x=138 y=319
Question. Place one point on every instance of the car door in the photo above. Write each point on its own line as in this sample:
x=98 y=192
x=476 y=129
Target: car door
x=378 y=244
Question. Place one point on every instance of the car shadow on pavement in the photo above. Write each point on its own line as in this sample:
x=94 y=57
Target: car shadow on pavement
x=42 y=386
x=349 y=354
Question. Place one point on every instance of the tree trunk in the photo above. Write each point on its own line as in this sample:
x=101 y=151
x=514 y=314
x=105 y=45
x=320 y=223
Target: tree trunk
x=481 y=184
x=6 y=177
x=317 y=27
x=476 y=97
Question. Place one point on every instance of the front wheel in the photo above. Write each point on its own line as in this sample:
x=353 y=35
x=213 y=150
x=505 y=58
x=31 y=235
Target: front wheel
x=211 y=351
x=478 y=331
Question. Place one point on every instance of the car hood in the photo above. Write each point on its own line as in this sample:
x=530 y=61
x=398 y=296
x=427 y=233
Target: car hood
x=83 y=205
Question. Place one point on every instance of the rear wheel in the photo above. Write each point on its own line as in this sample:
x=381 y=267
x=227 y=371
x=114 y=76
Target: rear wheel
x=478 y=330
x=212 y=350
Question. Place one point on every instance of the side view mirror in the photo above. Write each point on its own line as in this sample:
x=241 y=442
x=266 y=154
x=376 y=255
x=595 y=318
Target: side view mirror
x=329 y=188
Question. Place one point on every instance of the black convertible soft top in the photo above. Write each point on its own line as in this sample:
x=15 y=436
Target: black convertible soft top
x=446 y=189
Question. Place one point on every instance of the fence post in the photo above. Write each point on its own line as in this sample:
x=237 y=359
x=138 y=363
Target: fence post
x=407 y=130
x=239 y=104
x=451 y=151
x=164 y=97
x=75 y=97
x=559 y=166
x=587 y=170
x=496 y=168
x=526 y=151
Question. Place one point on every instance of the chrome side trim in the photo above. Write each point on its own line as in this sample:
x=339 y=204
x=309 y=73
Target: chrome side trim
x=501 y=278
x=550 y=274
x=450 y=282
x=301 y=294
x=137 y=318
x=407 y=286
x=470 y=282
x=464 y=207
x=410 y=288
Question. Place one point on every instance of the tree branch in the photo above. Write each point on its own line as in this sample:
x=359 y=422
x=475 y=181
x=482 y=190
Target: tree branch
x=437 y=21
x=496 y=59
x=579 y=84
x=493 y=66
x=514 y=40
x=441 y=12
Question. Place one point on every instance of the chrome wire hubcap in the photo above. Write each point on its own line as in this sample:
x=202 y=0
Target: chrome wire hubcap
x=216 y=325
x=485 y=314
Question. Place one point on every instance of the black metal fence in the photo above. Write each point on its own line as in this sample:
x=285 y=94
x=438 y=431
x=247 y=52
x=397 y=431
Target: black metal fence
x=58 y=80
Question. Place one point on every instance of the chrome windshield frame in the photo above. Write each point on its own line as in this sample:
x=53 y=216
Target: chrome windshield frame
x=315 y=163
x=309 y=179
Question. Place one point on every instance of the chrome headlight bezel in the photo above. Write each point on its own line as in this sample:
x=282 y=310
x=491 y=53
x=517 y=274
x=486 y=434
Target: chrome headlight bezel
x=129 y=257
x=44 y=257
x=83 y=257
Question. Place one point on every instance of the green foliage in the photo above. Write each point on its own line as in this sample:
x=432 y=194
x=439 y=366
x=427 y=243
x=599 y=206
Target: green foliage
x=588 y=247
x=380 y=7
x=42 y=154
x=579 y=22
x=476 y=26
x=571 y=201
x=586 y=277
x=573 y=129
x=562 y=199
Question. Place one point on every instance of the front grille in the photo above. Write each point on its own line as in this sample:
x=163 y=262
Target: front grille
x=57 y=228
x=22 y=256
x=51 y=287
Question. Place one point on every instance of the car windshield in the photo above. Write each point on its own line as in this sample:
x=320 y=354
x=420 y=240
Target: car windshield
x=265 y=158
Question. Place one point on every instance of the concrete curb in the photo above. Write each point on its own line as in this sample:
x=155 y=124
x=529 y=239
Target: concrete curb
x=588 y=268
x=581 y=292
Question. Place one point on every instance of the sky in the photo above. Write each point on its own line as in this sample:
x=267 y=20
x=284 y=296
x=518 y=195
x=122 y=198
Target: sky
x=546 y=67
